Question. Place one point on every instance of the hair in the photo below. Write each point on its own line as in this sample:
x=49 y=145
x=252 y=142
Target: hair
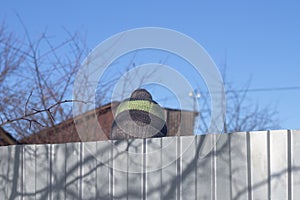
x=141 y=94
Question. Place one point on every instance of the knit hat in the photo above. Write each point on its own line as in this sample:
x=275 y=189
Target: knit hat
x=139 y=117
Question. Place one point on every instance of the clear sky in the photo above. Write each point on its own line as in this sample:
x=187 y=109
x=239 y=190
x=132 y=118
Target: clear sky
x=259 y=39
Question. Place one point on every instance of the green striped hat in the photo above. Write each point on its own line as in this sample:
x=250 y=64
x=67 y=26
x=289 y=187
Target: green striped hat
x=141 y=105
x=139 y=117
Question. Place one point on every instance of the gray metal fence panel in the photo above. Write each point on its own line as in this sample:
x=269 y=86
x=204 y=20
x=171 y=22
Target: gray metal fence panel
x=135 y=183
x=222 y=168
x=278 y=164
x=58 y=172
x=7 y=170
x=205 y=173
x=294 y=186
x=29 y=173
x=120 y=166
x=103 y=171
x=170 y=176
x=239 y=166
x=258 y=162
x=88 y=168
x=254 y=165
x=153 y=176
x=188 y=167
x=72 y=178
x=42 y=170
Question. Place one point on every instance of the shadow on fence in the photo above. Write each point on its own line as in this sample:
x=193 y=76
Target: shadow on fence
x=255 y=165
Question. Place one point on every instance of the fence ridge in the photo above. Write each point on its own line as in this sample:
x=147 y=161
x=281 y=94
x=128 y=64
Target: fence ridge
x=243 y=165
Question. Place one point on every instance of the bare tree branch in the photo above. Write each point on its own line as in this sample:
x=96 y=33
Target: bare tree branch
x=36 y=111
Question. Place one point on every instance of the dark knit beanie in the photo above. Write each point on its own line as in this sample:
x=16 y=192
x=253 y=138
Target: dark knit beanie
x=139 y=117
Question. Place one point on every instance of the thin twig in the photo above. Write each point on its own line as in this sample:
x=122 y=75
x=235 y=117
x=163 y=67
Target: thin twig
x=27 y=101
x=48 y=110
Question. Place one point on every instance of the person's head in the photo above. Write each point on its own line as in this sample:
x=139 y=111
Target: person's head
x=141 y=94
x=139 y=117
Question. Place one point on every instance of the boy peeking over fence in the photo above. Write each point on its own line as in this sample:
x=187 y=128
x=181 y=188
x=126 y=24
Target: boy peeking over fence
x=139 y=117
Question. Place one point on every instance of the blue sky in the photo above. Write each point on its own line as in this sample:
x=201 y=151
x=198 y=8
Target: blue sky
x=259 y=39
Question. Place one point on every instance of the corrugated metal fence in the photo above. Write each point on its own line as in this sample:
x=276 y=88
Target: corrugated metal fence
x=255 y=165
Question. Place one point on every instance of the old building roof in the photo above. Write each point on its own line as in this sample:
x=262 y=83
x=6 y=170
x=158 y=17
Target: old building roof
x=83 y=129
x=6 y=138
